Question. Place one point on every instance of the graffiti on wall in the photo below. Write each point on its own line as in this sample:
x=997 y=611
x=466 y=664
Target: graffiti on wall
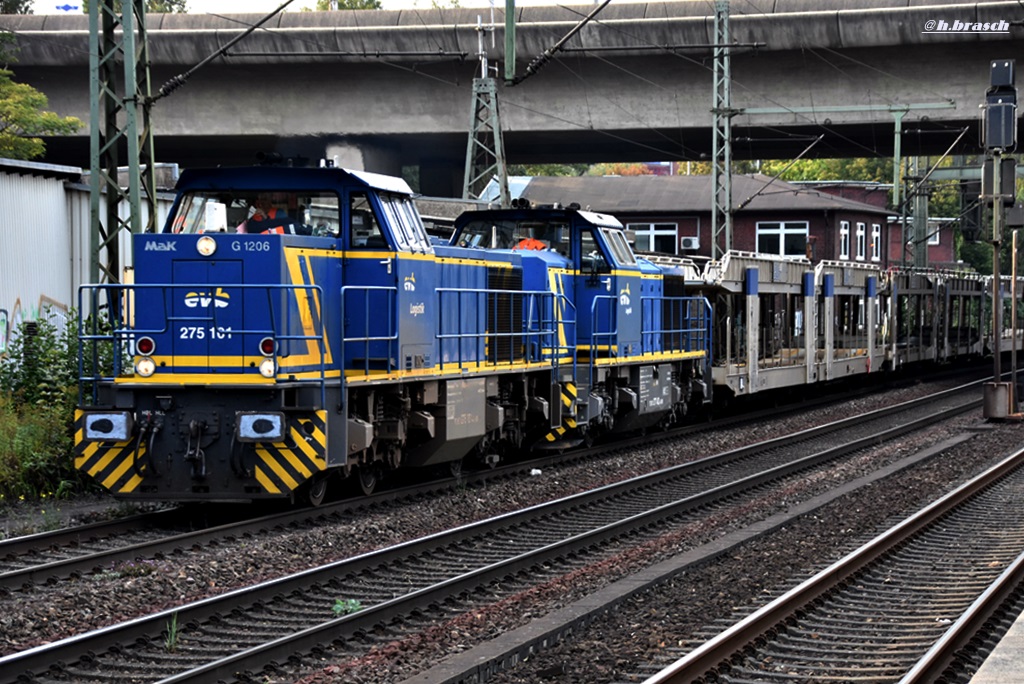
x=47 y=308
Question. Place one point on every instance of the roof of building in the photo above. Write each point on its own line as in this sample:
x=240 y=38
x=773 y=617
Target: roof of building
x=675 y=194
x=29 y=168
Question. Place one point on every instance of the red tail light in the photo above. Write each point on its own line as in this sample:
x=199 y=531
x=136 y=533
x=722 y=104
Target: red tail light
x=145 y=346
x=268 y=346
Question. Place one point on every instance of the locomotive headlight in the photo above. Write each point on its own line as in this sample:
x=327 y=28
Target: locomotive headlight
x=206 y=246
x=145 y=366
x=268 y=368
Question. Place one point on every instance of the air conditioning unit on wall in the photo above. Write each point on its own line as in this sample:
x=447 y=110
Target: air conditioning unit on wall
x=689 y=243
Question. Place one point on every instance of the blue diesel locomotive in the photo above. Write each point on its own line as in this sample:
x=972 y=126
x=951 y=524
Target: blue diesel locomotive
x=292 y=327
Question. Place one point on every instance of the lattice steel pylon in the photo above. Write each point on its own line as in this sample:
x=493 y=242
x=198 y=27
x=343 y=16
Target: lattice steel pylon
x=119 y=115
x=721 y=140
x=485 y=150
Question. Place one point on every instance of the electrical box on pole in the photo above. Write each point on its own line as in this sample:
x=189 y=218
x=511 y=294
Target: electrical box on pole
x=999 y=130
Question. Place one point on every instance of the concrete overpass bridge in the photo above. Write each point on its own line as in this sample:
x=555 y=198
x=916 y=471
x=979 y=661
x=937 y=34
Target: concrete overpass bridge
x=387 y=89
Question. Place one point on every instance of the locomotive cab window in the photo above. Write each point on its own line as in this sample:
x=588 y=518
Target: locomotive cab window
x=405 y=221
x=364 y=229
x=516 y=235
x=616 y=240
x=592 y=259
x=257 y=212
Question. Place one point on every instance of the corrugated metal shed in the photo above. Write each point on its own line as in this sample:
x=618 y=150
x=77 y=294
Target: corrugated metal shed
x=45 y=247
x=35 y=242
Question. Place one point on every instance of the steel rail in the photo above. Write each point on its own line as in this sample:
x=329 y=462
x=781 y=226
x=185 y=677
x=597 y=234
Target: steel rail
x=721 y=648
x=40 y=658
x=280 y=649
x=11 y=580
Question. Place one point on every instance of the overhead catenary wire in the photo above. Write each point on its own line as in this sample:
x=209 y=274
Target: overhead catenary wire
x=779 y=174
x=543 y=58
x=179 y=80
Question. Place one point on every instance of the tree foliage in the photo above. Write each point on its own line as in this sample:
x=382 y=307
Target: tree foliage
x=37 y=396
x=619 y=169
x=861 y=169
x=547 y=169
x=15 y=6
x=23 y=119
x=324 y=5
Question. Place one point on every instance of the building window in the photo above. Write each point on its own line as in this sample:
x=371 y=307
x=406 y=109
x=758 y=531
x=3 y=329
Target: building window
x=785 y=238
x=844 y=239
x=933 y=234
x=876 y=242
x=654 y=237
x=862 y=242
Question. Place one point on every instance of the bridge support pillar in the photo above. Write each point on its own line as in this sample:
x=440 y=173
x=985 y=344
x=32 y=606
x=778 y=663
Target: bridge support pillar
x=364 y=157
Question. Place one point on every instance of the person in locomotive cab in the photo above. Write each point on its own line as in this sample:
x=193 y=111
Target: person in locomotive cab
x=266 y=218
x=531 y=243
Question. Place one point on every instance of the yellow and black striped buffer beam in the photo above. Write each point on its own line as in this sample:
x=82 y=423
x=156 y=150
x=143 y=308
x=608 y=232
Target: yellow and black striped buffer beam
x=112 y=464
x=282 y=466
x=279 y=467
x=568 y=411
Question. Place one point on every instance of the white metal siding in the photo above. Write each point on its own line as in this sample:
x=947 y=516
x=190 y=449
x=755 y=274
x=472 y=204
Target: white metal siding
x=45 y=247
x=35 y=249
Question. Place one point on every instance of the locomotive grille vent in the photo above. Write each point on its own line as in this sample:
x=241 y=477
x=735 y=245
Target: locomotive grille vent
x=504 y=315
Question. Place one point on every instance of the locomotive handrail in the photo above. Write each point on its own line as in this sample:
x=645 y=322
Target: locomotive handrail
x=692 y=336
x=122 y=332
x=391 y=337
x=613 y=321
x=533 y=311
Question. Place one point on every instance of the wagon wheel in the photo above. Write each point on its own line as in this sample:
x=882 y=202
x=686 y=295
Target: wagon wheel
x=316 y=491
x=369 y=477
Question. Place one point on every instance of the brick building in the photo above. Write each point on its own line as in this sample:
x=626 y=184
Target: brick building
x=672 y=214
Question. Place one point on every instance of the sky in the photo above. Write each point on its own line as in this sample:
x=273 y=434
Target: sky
x=266 y=6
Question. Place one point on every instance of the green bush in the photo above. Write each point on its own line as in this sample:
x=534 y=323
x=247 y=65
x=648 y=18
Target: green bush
x=38 y=392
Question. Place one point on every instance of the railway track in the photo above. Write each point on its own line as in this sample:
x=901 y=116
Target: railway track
x=403 y=587
x=106 y=546
x=897 y=609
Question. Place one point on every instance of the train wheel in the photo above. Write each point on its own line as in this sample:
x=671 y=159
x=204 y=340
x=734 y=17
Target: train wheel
x=368 y=479
x=317 y=490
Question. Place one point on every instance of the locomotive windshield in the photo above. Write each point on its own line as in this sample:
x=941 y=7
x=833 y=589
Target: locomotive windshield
x=513 y=234
x=616 y=239
x=251 y=211
x=408 y=228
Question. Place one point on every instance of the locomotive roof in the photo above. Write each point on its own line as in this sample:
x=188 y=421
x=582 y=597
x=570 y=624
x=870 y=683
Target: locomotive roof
x=286 y=178
x=593 y=217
